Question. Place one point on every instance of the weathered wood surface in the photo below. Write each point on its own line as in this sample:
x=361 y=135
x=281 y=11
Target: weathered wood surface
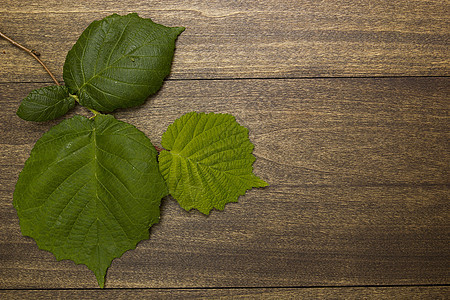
x=247 y=39
x=358 y=167
x=357 y=293
x=359 y=190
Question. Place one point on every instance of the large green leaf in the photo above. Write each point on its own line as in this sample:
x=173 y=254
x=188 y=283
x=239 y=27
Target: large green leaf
x=210 y=161
x=119 y=61
x=46 y=104
x=90 y=191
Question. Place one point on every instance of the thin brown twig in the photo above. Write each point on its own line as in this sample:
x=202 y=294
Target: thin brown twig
x=33 y=53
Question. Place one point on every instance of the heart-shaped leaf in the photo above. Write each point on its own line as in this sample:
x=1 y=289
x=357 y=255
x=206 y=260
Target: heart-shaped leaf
x=210 y=161
x=119 y=61
x=46 y=104
x=90 y=191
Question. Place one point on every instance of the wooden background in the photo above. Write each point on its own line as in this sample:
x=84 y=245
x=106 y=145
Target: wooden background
x=347 y=103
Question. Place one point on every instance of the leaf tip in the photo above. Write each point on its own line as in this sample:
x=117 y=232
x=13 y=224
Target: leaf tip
x=179 y=30
x=263 y=183
x=20 y=113
x=101 y=281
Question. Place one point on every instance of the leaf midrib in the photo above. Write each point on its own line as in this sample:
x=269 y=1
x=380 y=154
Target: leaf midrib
x=111 y=65
x=97 y=164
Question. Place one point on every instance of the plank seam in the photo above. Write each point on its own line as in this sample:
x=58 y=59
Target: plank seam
x=237 y=287
x=265 y=78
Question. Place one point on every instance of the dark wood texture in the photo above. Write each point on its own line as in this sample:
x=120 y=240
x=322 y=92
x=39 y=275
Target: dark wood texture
x=357 y=293
x=242 y=39
x=347 y=103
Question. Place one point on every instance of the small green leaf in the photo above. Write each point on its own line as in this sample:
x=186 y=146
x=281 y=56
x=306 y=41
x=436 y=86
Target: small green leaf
x=210 y=161
x=90 y=191
x=119 y=61
x=47 y=103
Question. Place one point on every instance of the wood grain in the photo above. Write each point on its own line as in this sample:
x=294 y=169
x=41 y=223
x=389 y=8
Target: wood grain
x=347 y=103
x=410 y=293
x=304 y=237
x=359 y=190
x=322 y=132
x=249 y=39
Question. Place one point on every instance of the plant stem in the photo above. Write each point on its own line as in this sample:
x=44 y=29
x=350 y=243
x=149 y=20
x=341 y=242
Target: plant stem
x=33 y=53
x=92 y=110
x=159 y=149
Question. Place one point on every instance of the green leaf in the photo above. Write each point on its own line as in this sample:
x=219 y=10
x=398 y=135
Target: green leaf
x=46 y=104
x=119 y=61
x=90 y=191
x=210 y=161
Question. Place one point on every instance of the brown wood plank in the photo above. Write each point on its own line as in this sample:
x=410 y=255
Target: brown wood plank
x=410 y=293
x=251 y=39
x=359 y=190
x=321 y=132
x=301 y=237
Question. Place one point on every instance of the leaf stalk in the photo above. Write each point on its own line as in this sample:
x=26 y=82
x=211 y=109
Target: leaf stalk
x=92 y=110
